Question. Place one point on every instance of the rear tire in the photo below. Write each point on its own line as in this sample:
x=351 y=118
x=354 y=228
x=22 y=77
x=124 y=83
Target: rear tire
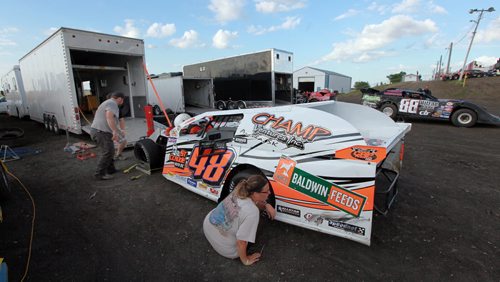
x=51 y=125
x=464 y=118
x=389 y=110
x=148 y=151
x=244 y=174
x=242 y=104
x=55 y=126
x=46 y=122
x=231 y=105
x=313 y=100
x=156 y=110
x=220 y=105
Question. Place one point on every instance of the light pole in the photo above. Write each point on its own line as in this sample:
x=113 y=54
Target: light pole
x=491 y=9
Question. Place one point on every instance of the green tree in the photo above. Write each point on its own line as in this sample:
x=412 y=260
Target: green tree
x=361 y=84
x=396 y=77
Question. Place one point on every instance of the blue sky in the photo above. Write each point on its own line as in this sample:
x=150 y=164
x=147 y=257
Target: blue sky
x=364 y=39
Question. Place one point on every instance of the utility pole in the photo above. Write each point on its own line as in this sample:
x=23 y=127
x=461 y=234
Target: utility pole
x=439 y=69
x=449 y=58
x=471 y=11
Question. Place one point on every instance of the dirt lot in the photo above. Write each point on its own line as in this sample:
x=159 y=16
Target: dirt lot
x=445 y=224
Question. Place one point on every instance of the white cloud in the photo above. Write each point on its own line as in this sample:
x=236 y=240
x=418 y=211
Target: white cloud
x=50 y=31
x=151 y=46
x=276 y=6
x=222 y=37
x=7 y=42
x=5 y=33
x=189 y=39
x=227 y=10
x=486 y=61
x=491 y=33
x=289 y=23
x=374 y=6
x=129 y=30
x=368 y=44
x=159 y=30
x=436 y=9
x=348 y=14
x=406 y=7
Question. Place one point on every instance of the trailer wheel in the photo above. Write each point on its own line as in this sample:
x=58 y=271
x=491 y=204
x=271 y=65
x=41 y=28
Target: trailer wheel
x=389 y=110
x=231 y=105
x=241 y=104
x=464 y=118
x=220 y=105
x=148 y=151
x=49 y=121
x=46 y=122
x=55 y=126
x=156 y=110
x=4 y=183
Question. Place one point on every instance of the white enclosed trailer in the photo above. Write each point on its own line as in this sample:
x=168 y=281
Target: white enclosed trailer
x=13 y=89
x=70 y=73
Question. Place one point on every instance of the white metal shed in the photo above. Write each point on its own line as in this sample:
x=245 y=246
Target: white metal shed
x=313 y=79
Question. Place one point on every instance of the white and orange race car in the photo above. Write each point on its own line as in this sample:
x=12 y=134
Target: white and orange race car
x=324 y=160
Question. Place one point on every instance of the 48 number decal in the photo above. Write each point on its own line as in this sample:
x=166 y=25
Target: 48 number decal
x=210 y=165
x=409 y=106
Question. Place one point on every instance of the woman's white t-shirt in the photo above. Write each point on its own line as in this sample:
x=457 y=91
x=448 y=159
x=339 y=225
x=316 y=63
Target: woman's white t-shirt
x=233 y=219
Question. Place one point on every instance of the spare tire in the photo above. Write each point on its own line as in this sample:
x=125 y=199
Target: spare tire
x=146 y=150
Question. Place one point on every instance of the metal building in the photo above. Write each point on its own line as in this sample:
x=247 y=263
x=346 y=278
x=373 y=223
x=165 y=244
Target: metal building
x=313 y=79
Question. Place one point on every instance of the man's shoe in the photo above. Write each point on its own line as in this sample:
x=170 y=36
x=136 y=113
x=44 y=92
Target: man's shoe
x=111 y=170
x=104 y=177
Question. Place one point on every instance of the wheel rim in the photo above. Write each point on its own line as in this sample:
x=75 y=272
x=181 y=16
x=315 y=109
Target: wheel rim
x=465 y=118
x=388 y=111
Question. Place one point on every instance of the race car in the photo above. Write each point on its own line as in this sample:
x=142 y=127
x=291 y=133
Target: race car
x=323 y=160
x=397 y=102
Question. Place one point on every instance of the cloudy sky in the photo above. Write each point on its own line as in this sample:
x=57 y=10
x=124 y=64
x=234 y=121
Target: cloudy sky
x=364 y=39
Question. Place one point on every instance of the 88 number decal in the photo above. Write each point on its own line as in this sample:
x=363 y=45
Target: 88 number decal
x=409 y=106
x=210 y=165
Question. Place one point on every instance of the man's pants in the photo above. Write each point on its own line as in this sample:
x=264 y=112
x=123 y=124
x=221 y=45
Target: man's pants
x=107 y=150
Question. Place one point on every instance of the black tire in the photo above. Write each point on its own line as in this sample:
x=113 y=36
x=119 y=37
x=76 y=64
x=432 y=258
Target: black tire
x=51 y=125
x=313 y=100
x=241 y=104
x=55 y=126
x=220 y=105
x=389 y=110
x=156 y=110
x=231 y=105
x=5 y=188
x=243 y=174
x=464 y=118
x=46 y=122
x=148 y=151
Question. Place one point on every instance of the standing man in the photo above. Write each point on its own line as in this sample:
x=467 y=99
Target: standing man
x=104 y=131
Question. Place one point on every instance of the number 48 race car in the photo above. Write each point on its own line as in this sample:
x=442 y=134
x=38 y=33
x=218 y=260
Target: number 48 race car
x=396 y=102
x=330 y=165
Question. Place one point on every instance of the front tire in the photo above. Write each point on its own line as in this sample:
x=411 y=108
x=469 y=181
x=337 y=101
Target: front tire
x=148 y=151
x=389 y=110
x=464 y=118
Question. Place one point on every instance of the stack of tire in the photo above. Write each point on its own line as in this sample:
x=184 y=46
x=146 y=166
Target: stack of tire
x=230 y=105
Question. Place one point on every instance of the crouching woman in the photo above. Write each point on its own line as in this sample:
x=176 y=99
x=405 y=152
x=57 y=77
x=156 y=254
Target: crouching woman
x=233 y=223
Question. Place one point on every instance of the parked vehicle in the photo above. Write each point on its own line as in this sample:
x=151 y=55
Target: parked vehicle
x=396 y=102
x=3 y=105
x=13 y=89
x=69 y=74
x=323 y=160
x=322 y=95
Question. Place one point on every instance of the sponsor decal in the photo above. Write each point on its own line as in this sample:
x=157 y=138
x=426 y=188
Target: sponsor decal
x=346 y=227
x=191 y=182
x=318 y=188
x=313 y=218
x=203 y=186
x=210 y=165
x=371 y=98
x=287 y=210
x=288 y=132
x=240 y=140
x=214 y=191
x=363 y=153
x=178 y=158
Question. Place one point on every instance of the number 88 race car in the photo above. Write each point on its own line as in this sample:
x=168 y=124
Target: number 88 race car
x=323 y=160
x=396 y=102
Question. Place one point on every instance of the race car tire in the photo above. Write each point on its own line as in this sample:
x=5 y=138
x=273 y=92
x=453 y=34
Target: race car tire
x=464 y=118
x=220 y=105
x=313 y=100
x=5 y=189
x=55 y=126
x=156 y=110
x=240 y=175
x=146 y=150
x=389 y=110
x=231 y=105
